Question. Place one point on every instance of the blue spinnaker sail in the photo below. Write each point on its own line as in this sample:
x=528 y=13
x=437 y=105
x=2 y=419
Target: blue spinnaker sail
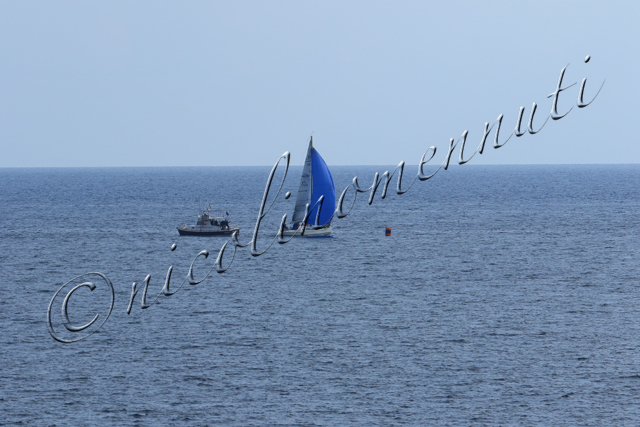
x=322 y=186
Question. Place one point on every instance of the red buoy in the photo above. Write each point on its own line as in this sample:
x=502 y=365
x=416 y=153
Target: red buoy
x=387 y=232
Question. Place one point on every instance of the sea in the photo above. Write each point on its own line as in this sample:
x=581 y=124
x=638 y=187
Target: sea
x=503 y=296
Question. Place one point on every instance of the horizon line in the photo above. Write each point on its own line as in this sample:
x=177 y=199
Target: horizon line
x=334 y=165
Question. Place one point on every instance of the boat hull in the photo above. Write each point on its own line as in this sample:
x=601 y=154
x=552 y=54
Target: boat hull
x=186 y=231
x=310 y=232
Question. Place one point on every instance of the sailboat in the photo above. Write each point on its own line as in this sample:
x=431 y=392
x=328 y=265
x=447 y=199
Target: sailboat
x=316 y=182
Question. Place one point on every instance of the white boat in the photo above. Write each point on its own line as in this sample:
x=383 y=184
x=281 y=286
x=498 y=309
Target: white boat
x=207 y=225
x=316 y=182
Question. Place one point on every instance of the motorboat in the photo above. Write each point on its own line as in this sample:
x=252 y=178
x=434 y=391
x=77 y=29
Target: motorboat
x=208 y=225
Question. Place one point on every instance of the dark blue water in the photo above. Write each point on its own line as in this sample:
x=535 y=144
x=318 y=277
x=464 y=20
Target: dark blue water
x=504 y=296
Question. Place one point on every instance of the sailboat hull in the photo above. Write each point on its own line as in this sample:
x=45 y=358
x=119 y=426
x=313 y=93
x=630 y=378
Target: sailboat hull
x=310 y=232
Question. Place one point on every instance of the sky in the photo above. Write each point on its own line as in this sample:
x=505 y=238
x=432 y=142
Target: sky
x=169 y=83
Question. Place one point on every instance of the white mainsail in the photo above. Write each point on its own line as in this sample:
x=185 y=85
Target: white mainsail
x=306 y=187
